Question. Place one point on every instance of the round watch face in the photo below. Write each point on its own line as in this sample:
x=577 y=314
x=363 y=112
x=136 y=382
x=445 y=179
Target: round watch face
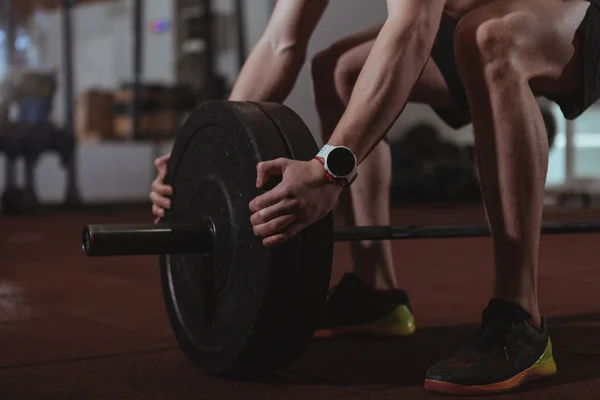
x=341 y=161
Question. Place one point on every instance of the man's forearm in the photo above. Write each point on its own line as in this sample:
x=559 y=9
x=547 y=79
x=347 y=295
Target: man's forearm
x=381 y=92
x=269 y=74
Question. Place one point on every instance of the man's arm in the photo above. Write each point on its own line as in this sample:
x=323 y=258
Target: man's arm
x=399 y=54
x=272 y=68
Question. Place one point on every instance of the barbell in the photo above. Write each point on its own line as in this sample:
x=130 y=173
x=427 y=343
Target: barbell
x=238 y=308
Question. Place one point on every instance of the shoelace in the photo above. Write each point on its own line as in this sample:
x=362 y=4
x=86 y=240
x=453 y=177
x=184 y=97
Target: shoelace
x=493 y=334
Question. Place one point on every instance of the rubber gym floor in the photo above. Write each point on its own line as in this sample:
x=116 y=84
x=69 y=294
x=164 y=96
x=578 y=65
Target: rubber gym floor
x=78 y=328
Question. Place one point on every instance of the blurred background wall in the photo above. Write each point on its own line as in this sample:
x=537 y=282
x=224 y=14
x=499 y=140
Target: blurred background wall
x=103 y=60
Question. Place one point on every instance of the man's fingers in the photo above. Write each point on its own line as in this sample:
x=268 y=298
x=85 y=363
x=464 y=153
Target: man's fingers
x=162 y=159
x=162 y=172
x=161 y=165
x=285 y=206
x=159 y=200
x=157 y=211
x=283 y=236
x=267 y=168
x=161 y=188
x=274 y=226
x=273 y=196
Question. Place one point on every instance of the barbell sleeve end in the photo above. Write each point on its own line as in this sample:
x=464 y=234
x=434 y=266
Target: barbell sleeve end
x=86 y=241
x=147 y=239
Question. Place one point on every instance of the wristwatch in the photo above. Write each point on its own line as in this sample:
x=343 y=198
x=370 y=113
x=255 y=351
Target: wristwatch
x=340 y=164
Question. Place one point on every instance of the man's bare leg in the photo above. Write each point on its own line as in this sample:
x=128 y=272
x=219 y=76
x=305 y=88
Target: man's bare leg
x=501 y=49
x=335 y=71
x=505 y=52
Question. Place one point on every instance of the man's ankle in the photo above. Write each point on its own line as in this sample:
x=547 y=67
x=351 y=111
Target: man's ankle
x=375 y=280
x=528 y=304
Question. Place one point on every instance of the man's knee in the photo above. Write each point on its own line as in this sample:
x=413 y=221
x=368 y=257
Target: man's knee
x=493 y=47
x=329 y=67
x=345 y=75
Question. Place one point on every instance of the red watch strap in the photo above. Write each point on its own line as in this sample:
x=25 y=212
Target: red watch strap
x=330 y=177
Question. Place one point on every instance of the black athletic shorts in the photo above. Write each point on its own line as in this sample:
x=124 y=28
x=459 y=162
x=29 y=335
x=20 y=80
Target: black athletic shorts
x=572 y=105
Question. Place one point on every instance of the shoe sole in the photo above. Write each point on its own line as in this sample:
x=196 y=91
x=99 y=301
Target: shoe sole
x=544 y=368
x=399 y=322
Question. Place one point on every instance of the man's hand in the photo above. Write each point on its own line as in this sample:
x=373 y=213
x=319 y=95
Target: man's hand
x=160 y=191
x=303 y=197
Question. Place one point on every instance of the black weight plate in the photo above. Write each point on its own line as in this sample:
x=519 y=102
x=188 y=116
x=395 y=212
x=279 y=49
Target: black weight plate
x=230 y=312
x=317 y=240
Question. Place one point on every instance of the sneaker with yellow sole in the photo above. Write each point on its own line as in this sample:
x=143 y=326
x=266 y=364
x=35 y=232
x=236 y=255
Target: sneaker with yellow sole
x=508 y=351
x=354 y=308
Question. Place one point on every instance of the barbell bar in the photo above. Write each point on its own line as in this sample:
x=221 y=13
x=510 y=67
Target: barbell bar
x=173 y=238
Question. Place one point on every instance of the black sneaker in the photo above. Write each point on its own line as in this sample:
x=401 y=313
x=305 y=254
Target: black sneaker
x=508 y=351
x=353 y=308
